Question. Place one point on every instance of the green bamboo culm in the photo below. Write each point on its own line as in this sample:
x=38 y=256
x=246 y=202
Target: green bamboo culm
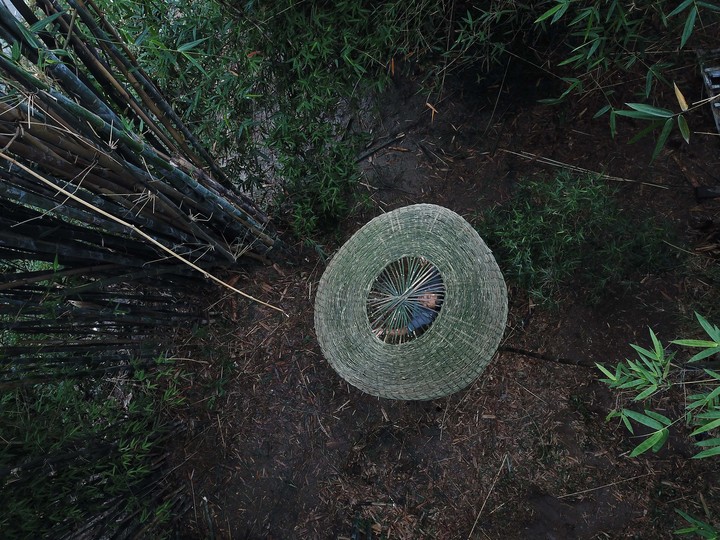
x=99 y=182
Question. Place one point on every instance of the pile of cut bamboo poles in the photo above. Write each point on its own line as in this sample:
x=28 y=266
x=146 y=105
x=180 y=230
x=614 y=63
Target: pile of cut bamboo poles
x=101 y=182
x=111 y=215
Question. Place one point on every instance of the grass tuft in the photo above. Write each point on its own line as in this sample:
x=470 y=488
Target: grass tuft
x=568 y=229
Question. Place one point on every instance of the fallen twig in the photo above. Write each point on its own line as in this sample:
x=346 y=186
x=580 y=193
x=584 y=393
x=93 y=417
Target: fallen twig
x=379 y=147
x=497 y=476
x=575 y=168
x=603 y=486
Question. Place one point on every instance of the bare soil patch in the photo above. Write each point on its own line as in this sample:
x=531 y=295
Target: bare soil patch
x=281 y=447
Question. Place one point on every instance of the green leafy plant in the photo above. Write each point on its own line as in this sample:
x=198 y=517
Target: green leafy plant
x=619 y=36
x=658 y=118
x=558 y=230
x=272 y=91
x=273 y=85
x=655 y=371
x=697 y=527
x=75 y=449
x=607 y=35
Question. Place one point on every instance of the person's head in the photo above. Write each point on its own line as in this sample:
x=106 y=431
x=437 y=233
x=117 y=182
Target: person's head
x=429 y=300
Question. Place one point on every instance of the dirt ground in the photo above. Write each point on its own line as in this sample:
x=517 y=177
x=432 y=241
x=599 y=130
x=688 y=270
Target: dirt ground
x=283 y=448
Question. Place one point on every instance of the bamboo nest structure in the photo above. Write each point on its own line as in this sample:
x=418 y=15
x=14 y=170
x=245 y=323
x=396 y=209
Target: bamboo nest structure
x=371 y=290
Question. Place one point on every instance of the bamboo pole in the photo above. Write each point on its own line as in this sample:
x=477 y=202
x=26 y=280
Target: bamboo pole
x=139 y=232
x=122 y=221
x=179 y=179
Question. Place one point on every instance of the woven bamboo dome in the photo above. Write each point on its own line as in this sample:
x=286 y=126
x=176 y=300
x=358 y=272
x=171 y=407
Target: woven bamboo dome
x=418 y=263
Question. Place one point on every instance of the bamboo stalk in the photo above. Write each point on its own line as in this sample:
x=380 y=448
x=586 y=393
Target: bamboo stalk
x=139 y=232
x=12 y=281
x=33 y=246
x=155 y=97
x=15 y=192
x=11 y=384
x=119 y=218
x=101 y=72
x=180 y=180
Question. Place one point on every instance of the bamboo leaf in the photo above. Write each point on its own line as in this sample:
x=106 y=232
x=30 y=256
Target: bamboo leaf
x=607 y=373
x=29 y=36
x=661 y=441
x=695 y=402
x=642 y=351
x=684 y=128
x=683 y=6
x=680 y=98
x=712 y=395
x=643 y=419
x=15 y=51
x=185 y=47
x=709 y=442
x=710 y=452
x=653 y=112
x=602 y=111
x=647 y=376
x=648 y=82
x=553 y=11
x=662 y=139
x=627 y=423
x=632 y=384
x=640 y=115
x=572 y=59
x=706 y=427
x=710 y=329
x=41 y=24
x=695 y=343
x=689 y=25
x=646 y=393
x=659 y=351
x=704 y=354
x=698 y=527
x=650 y=442
x=654 y=124
x=195 y=63
x=659 y=417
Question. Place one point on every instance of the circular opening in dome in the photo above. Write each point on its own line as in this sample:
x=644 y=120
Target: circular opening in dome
x=405 y=300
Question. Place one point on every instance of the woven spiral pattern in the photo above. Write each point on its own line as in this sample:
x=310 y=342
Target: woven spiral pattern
x=405 y=290
x=462 y=340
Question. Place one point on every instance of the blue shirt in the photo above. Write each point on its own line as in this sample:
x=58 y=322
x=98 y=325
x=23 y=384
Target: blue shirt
x=422 y=316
